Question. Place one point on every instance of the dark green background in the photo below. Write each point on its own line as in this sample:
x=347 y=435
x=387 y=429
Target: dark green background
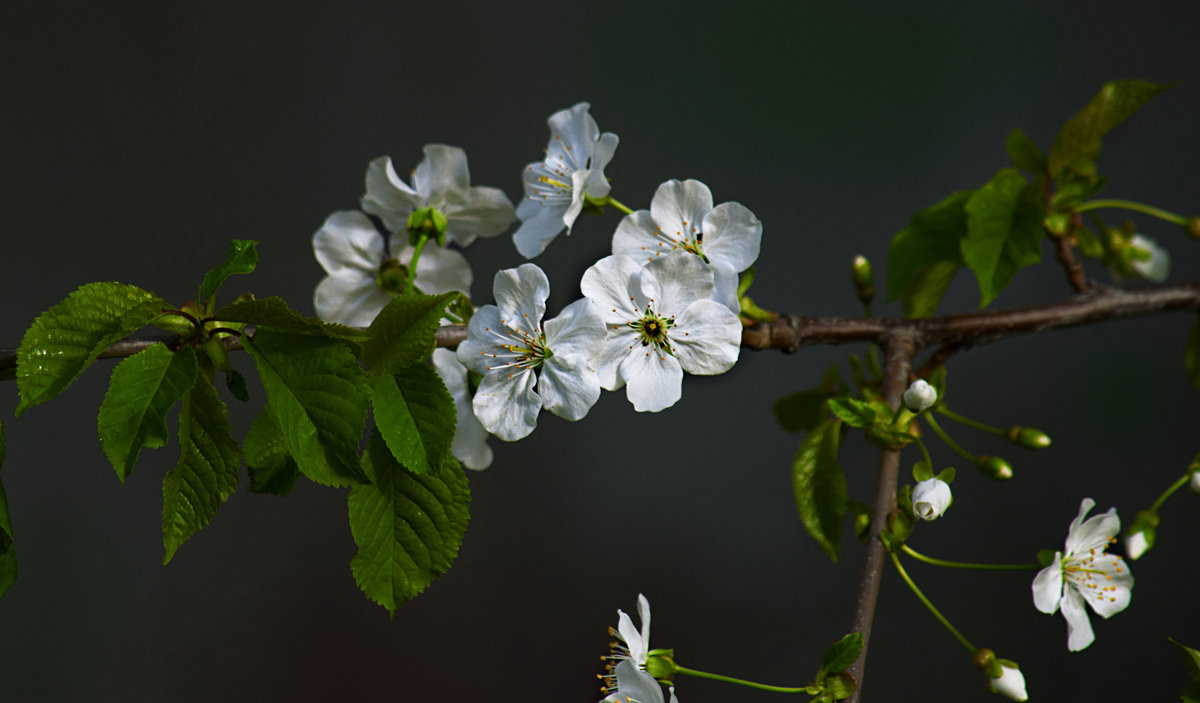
x=137 y=138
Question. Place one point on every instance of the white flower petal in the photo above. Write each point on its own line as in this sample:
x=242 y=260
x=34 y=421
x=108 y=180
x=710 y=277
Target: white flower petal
x=348 y=241
x=675 y=281
x=506 y=404
x=537 y=231
x=349 y=298
x=485 y=336
x=725 y=283
x=576 y=331
x=606 y=146
x=635 y=238
x=470 y=439
x=1010 y=684
x=679 y=208
x=441 y=174
x=732 y=235
x=632 y=638
x=1079 y=627
x=654 y=379
x=1048 y=586
x=521 y=296
x=644 y=614
x=606 y=358
x=439 y=270
x=484 y=212
x=612 y=284
x=1114 y=591
x=578 y=191
x=707 y=338
x=568 y=386
x=920 y=396
x=388 y=197
x=1094 y=532
x=573 y=133
x=931 y=498
x=634 y=686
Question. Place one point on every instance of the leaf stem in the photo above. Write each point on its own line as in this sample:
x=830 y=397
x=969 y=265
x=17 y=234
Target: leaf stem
x=741 y=682
x=933 y=609
x=1136 y=207
x=1167 y=493
x=966 y=564
x=937 y=429
x=968 y=421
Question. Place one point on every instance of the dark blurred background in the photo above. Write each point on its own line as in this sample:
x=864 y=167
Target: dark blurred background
x=137 y=138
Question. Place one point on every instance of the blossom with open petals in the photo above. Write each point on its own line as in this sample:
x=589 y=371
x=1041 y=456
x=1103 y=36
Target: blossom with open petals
x=507 y=343
x=635 y=686
x=556 y=187
x=1085 y=573
x=660 y=322
x=931 y=498
x=351 y=251
x=441 y=180
x=470 y=439
x=682 y=218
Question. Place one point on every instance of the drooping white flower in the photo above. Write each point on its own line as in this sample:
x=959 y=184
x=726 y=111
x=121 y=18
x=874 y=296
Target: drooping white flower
x=1157 y=266
x=920 y=396
x=507 y=343
x=1010 y=683
x=470 y=439
x=636 y=686
x=441 y=180
x=931 y=498
x=351 y=251
x=660 y=322
x=1085 y=573
x=682 y=218
x=555 y=188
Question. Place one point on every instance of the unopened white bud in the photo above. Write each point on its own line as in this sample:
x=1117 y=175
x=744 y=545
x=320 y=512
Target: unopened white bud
x=1194 y=483
x=920 y=396
x=931 y=498
x=1157 y=266
x=1136 y=545
x=1011 y=683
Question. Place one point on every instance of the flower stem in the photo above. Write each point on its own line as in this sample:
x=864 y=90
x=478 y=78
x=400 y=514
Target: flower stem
x=925 y=453
x=967 y=565
x=933 y=609
x=968 y=421
x=1167 y=493
x=741 y=682
x=412 y=265
x=618 y=205
x=1136 y=207
x=937 y=429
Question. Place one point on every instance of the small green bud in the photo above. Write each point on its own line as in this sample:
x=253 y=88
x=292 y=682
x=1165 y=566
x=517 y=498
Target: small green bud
x=1045 y=557
x=983 y=658
x=840 y=685
x=1193 y=227
x=1027 y=437
x=864 y=279
x=995 y=467
x=428 y=222
x=1140 y=536
x=660 y=663
x=1057 y=223
x=393 y=276
x=462 y=308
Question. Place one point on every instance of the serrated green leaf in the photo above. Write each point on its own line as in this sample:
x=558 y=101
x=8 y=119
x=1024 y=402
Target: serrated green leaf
x=403 y=332
x=319 y=395
x=1191 y=354
x=242 y=257
x=415 y=414
x=820 y=486
x=843 y=653
x=801 y=411
x=1023 y=152
x=8 y=548
x=1190 y=656
x=1078 y=142
x=408 y=527
x=207 y=472
x=925 y=255
x=275 y=312
x=1004 y=232
x=141 y=390
x=852 y=411
x=67 y=338
x=271 y=468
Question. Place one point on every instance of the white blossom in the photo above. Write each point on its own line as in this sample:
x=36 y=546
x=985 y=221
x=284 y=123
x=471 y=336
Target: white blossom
x=1084 y=573
x=470 y=439
x=507 y=343
x=441 y=180
x=1136 y=545
x=636 y=686
x=931 y=498
x=1157 y=266
x=920 y=396
x=1010 y=683
x=659 y=322
x=556 y=187
x=682 y=218
x=1194 y=481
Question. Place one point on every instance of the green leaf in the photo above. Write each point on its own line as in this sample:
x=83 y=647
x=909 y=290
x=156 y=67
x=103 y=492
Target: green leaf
x=1078 y=142
x=922 y=471
x=1191 y=693
x=820 y=486
x=8 y=549
x=408 y=527
x=852 y=411
x=271 y=468
x=319 y=395
x=937 y=379
x=403 y=332
x=67 y=338
x=241 y=258
x=1023 y=152
x=801 y=411
x=843 y=653
x=141 y=390
x=1191 y=354
x=924 y=256
x=235 y=382
x=415 y=414
x=275 y=312
x=207 y=472
x=1004 y=232
x=1190 y=656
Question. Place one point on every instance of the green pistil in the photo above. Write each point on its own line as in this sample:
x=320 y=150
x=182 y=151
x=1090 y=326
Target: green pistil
x=652 y=331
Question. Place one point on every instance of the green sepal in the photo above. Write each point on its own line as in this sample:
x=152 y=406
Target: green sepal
x=141 y=390
x=275 y=312
x=271 y=468
x=1023 y=152
x=1078 y=142
x=745 y=280
x=801 y=411
x=415 y=414
x=852 y=411
x=319 y=395
x=842 y=654
x=1191 y=355
x=242 y=257
x=403 y=332
x=819 y=485
x=922 y=471
x=1004 y=232
x=947 y=475
x=8 y=548
x=925 y=255
x=207 y=472
x=67 y=338
x=408 y=527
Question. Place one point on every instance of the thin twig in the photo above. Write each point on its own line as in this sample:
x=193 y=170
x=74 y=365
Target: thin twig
x=939 y=357
x=1065 y=253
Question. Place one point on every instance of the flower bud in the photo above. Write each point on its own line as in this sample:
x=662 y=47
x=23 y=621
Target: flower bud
x=920 y=396
x=1193 y=227
x=393 y=276
x=1057 y=223
x=995 y=467
x=660 y=664
x=428 y=222
x=1194 y=481
x=1010 y=683
x=1027 y=437
x=1147 y=259
x=931 y=498
x=864 y=279
x=1141 y=534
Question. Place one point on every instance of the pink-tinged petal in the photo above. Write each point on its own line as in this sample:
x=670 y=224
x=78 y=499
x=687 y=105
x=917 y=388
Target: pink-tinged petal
x=612 y=284
x=348 y=241
x=679 y=208
x=536 y=232
x=1114 y=590
x=725 y=283
x=568 y=386
x=506 y=404
x=576 y=331
x=349 y=298
x=521 y=296
x=635 y=237
x=439 y=270
x=644 y=614
x=732 y=235
x=675 y=281
x=707 y=338
x=654 y=380
x=1048 y=586
x=1079 y=627
x=484 y=212
x=470 y=439
x=442 y=174
x=388 y=197
x=1094 y=532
